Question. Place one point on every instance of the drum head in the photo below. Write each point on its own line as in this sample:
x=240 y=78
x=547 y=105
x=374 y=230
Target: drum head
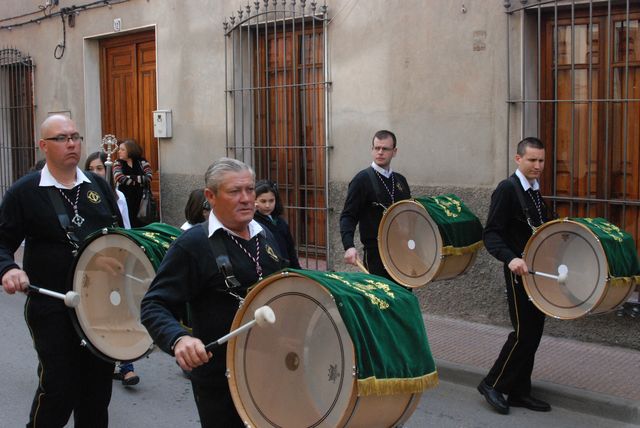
x=410 y=244
x=112 y=274
x=298 y=372
x=565 y=242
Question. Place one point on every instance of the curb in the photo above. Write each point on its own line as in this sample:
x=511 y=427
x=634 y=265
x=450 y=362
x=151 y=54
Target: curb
x=574 y=399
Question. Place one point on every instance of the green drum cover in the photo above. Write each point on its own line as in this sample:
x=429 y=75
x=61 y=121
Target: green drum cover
x=458 y=226
x=617 y=244
x=386 y=327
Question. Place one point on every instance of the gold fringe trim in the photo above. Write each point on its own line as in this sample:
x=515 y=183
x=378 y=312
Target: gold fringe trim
x=624 y=281
x=415 y=385
x=458 y=251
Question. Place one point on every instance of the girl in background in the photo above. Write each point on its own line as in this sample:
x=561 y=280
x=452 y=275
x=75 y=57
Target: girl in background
x=269 y=214
x=197 y=209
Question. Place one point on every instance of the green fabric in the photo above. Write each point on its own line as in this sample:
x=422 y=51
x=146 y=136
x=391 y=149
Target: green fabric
x=458 y=226
x=618 y=246
x=384 y=321
x=154 y=238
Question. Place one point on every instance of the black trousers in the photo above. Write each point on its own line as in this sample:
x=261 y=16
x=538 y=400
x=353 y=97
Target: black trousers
x=71 y=378
x=215 y=405
x=511 y=373
x=373 y=263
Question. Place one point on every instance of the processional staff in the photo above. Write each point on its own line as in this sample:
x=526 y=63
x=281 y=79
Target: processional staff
x=109 y=146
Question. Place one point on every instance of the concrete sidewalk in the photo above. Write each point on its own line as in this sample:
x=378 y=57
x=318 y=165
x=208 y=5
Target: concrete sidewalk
x=584 y=377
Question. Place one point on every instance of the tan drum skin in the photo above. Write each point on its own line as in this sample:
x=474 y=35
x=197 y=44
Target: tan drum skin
x=411 y=247
x=300 y=371
x=588 y=288
x=108 y=316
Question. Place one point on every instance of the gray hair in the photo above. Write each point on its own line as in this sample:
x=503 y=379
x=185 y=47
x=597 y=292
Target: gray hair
x=216 y=171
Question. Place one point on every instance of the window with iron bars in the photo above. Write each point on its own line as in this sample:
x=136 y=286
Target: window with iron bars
x=276 y=85
x=581 y=95
x=17 y=137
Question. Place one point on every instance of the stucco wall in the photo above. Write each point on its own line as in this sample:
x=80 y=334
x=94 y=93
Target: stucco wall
x=430 y=71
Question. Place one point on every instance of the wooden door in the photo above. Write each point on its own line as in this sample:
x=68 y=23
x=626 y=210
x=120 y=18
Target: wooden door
x=128 y=92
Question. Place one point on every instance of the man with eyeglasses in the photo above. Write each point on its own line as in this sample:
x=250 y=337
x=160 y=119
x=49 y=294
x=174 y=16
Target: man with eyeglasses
x=54 y=210
x=370 y=192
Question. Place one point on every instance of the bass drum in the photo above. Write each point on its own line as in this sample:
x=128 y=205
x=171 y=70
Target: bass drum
x=112 y=272
x=301 y=371
x=592 y=285
x=428 y=239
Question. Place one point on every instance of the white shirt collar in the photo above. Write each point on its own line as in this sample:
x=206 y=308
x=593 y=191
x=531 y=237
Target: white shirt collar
x=381 y=170
x=48 y=180
x=214 y=224
x=525 y=183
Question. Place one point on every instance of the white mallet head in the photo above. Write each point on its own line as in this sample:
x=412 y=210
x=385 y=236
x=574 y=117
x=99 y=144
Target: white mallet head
x=264 y=315
x=72 y=299
x=563 y=272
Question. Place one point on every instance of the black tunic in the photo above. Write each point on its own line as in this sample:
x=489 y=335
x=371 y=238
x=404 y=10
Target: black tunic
x=280 y=230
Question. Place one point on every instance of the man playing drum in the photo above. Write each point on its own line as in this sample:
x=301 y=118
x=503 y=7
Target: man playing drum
x=370 y=192
x=210 y=266
x=516 y=208
x=54 y=210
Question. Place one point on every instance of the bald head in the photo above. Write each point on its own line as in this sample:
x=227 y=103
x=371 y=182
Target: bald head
x=53 y=122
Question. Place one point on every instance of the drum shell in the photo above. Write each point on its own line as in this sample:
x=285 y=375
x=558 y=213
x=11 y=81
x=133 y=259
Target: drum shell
x=588 y=289
x=111 y=331
x=257 y=392
x=407 y=224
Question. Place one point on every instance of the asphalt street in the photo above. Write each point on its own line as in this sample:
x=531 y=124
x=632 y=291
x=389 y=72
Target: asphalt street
x=164 y=399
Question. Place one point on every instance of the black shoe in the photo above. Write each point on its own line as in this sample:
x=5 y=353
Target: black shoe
x=493 y=397
x=130 y=380
x=530 y=403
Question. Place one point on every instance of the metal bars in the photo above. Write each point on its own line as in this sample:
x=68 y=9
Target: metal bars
x=587 y=97
x=276 y=82
x=17 y=136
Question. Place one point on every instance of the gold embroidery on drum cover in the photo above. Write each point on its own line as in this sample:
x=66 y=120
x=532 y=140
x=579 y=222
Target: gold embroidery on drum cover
x=610 y=229
x=449 y=205
x=153 y=236
x=366 y=288
x=93 y=197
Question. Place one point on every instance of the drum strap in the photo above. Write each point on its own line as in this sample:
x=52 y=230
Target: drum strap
x=63 y=218
x=520 y=193
x=377 y=189
x=222 y=259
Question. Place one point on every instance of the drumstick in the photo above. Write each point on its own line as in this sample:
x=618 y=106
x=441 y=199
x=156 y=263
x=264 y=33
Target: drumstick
x=71 y=298
x=361 y=266
x=262 y=316
x=563 y=272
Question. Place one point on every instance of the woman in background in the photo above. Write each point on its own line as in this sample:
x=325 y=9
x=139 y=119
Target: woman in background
x=131 y=172
x=269 y=214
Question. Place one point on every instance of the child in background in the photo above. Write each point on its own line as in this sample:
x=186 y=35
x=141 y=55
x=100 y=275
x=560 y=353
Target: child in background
x=196 y=210
x=268 y=213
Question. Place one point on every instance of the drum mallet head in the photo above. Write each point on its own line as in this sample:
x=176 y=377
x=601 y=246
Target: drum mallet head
x=70 y=298
x=262 y=316
x=563 y=273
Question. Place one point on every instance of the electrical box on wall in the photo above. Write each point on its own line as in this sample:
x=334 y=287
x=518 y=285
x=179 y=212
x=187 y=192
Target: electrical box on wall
x=162 y=124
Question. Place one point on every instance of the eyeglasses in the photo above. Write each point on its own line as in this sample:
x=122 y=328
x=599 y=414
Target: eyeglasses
x=381 y=148
x=76 y=138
